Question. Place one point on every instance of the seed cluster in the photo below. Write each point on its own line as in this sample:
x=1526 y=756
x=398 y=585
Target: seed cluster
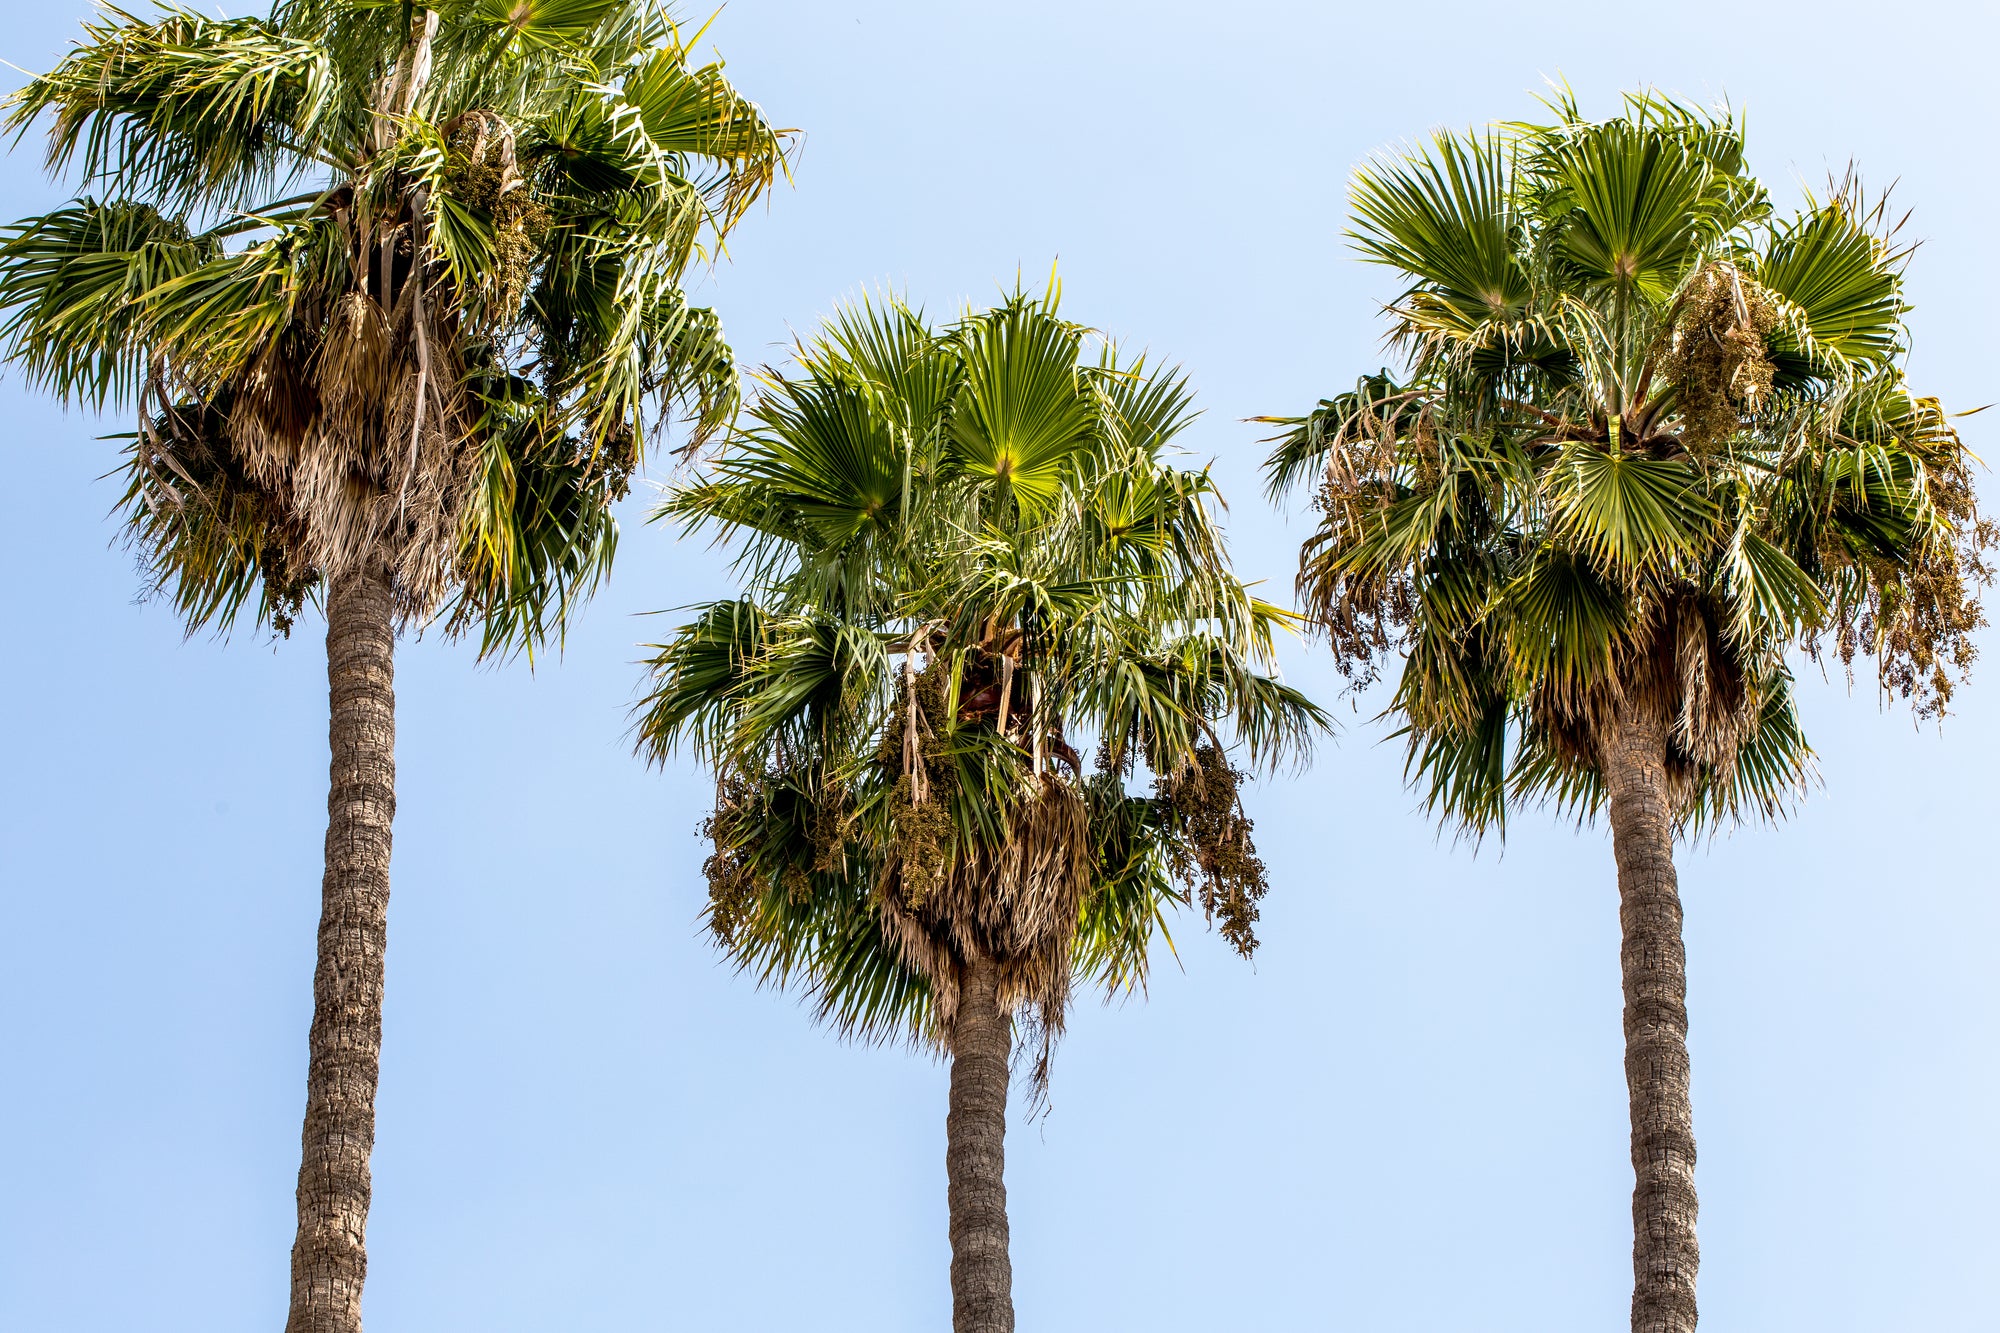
x=1214 y=852
x=1720 y=356
x=484 y=180
x=921 y=804
x=732 y=884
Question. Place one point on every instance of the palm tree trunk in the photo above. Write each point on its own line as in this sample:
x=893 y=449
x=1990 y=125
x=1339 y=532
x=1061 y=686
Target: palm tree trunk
x=982 y=1276
x=330 y=1256
x=1665 y=1256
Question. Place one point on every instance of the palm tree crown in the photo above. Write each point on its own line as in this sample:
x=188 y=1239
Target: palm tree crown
x=968 y=549
x=386 y=284
x=1650 y=437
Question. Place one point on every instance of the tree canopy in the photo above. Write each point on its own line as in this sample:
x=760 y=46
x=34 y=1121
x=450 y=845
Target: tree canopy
x=383 y=282
x=969 y=551
x=1651 y=435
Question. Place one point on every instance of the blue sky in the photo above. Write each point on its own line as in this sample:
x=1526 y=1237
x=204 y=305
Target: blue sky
x=1408 y=1115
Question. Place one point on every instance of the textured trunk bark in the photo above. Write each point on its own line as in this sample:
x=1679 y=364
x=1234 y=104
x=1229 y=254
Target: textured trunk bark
x=982 y=1276
x=1665 y=1256
x=330 y=1256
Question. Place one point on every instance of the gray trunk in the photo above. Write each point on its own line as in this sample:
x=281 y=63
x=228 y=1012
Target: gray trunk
x=330 y=1256
x=1665 y=1256
x=982 y=1276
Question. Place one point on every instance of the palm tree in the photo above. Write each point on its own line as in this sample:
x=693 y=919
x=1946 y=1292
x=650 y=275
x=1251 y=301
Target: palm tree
x=1651 y=437
x=966 y=551
x=393 y=290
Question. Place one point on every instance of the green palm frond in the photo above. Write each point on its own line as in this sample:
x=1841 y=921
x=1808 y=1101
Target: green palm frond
x=1461 y=770
x=1565 y=621
x=1631 y=513
x=1443 y=215
x=1629 y=208
x=1377 y=408
x=1844 y=279
x=1025 y=411
x=1772 y=766
x=183 y=110
x=560 y=23
x=75 y=285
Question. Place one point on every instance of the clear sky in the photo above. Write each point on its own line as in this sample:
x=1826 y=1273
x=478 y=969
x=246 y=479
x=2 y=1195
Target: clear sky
x=1408 y=1115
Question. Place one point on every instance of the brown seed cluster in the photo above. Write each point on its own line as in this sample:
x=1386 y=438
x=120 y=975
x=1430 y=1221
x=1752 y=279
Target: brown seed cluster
x=1921 y=614
x=483 y=177
x=829 y=831
x=732 y=885
x=921 y=804
x=1720 y=356
x=1213 y=852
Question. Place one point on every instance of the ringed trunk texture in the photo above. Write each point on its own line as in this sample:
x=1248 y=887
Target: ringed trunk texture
x=982 y=1276
x=1653 y=960
x=330 y=1256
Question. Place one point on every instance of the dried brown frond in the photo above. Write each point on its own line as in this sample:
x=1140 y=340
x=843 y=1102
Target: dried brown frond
x=1716 y=708
x=205 y=526
x=1678 y=666
x=351 y=369
x=1362 y=616
x=947 y=898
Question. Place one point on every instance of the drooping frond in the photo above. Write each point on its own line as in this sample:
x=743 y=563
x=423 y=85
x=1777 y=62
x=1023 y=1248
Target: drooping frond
x=75 y=285
x=182 y=110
